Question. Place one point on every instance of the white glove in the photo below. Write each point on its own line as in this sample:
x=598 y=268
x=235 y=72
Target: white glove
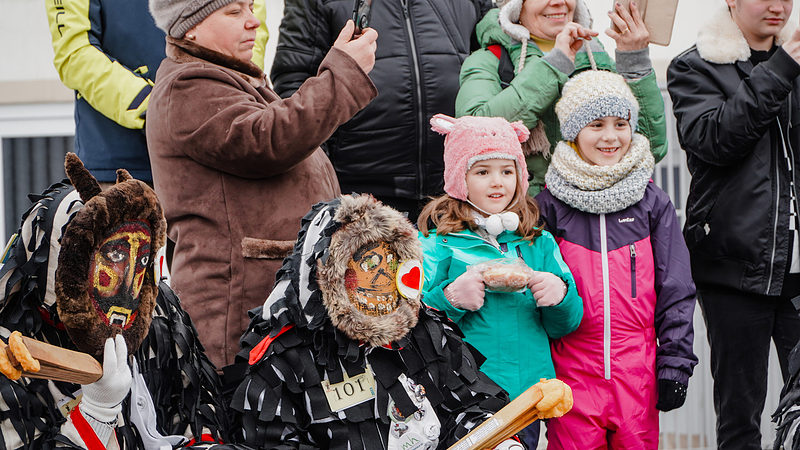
x=102 y=400
x=547 y=289
x=466 y=291
x=509 y=444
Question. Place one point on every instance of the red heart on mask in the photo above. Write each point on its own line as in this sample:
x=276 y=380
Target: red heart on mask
x=411 y=279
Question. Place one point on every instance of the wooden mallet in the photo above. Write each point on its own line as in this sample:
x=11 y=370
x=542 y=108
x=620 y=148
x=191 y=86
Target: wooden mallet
x=27 y=357
x=543 y=400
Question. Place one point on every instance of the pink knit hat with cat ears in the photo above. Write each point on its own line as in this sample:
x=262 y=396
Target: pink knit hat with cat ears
x=470 y=139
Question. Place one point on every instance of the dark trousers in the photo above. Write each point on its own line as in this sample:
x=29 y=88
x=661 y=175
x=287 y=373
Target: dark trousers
x=740 y=326
x=530 y=435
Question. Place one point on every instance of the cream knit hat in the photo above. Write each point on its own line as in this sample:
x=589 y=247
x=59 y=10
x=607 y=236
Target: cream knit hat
x=593 y=94
x=176 y=17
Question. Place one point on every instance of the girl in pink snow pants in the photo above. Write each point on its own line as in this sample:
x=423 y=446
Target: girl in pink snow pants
x=619 y=234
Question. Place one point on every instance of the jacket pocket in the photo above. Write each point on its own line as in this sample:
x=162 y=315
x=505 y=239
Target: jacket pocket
x=266 y=248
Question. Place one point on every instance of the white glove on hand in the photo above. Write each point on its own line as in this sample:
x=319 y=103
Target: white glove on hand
x=466 y=291
x=547 y=289
x=509 y=444
x=102 y=400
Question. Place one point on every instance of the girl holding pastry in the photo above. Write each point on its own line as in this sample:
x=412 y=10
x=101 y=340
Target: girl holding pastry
x=487 y=264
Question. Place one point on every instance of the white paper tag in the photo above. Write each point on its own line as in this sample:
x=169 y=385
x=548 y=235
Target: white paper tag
x=350 y=392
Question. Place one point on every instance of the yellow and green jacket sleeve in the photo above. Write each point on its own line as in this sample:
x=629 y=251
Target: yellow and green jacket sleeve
x=118 y=92
x=262 y=35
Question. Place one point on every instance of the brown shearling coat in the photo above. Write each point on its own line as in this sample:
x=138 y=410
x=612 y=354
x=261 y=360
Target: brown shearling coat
x=236 y=167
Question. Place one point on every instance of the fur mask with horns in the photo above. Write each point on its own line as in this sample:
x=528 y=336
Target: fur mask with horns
x=105 y=280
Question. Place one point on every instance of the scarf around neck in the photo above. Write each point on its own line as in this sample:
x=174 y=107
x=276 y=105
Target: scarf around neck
x=600 y=189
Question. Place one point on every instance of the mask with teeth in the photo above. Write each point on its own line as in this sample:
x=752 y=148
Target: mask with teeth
x=370 y=279
x=117 y=273
x=371 y=275
x=105 y=279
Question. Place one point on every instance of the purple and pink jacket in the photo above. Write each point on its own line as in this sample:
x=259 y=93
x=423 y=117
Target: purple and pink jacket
x=632 y=270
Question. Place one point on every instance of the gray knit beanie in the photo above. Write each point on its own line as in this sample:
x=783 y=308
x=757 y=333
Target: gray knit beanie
x=593 y=94
x=176 y=17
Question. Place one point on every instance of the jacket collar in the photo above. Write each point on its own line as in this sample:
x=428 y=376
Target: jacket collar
x=722 y=42
x=184 y=50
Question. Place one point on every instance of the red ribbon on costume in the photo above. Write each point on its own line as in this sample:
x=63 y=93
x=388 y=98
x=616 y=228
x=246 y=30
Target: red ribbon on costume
x=203 y=438
x=85 y=430
x=258 y=351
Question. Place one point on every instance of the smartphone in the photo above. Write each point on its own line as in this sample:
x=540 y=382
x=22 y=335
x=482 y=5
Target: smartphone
x=361 y=9
x=658 y=16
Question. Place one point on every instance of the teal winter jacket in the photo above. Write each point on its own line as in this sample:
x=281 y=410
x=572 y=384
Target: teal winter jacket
x=509 y=329
x=532 y=95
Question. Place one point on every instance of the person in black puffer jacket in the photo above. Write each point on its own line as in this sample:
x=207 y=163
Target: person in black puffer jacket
x=387 y=149
x=736 y=96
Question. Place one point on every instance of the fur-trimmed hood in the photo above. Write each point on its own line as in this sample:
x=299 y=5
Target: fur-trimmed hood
x=311 y=283
x=722 y=42
x=509 y=18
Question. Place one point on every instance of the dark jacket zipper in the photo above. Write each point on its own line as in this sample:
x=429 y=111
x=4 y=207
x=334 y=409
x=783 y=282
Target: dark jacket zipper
x=633 y=270
x=418 y=80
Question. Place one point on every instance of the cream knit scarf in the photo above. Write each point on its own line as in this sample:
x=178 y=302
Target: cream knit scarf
x=600 y=189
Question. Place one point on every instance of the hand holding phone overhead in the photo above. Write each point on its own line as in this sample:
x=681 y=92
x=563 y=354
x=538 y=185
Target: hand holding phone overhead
x=655 y=16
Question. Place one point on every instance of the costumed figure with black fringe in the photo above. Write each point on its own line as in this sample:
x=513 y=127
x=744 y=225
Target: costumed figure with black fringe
x=787 y=414
x=80 y=275
x=344 y=355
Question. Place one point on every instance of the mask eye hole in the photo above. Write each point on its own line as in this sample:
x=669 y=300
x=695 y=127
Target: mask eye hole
x=144 y=260
x=115 y=255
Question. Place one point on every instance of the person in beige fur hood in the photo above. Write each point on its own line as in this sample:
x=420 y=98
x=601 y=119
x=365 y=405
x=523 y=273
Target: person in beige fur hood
x=736 y=95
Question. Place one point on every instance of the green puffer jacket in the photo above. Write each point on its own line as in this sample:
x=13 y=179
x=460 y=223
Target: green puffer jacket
x=509 y=329
x=532 y=94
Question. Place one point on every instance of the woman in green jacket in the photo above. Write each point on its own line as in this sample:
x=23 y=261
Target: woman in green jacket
x=545 y=42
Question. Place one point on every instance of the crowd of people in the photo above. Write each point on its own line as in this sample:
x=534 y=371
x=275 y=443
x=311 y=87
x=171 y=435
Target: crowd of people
x=499 y=227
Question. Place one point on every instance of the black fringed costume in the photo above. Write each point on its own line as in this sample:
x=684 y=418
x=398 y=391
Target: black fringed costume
x=292 y=346
x=182 y=383
x=787 y=414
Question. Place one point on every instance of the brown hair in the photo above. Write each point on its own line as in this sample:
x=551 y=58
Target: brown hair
x=450 y=215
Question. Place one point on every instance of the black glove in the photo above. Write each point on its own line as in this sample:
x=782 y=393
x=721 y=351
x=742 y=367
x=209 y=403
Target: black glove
x=671 y=395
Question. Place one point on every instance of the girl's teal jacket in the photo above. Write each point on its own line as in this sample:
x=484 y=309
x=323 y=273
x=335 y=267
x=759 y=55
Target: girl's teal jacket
x=510 y=330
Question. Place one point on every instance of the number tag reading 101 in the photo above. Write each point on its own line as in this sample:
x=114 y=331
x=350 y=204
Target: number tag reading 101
x=350 y=392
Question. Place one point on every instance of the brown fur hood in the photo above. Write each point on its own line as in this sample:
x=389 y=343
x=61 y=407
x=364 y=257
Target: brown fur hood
x=331 y=234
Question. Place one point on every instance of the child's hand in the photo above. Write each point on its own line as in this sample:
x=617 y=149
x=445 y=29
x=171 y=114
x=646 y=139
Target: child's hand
x=547 y=289
x=671 y=395
x=466 y=291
